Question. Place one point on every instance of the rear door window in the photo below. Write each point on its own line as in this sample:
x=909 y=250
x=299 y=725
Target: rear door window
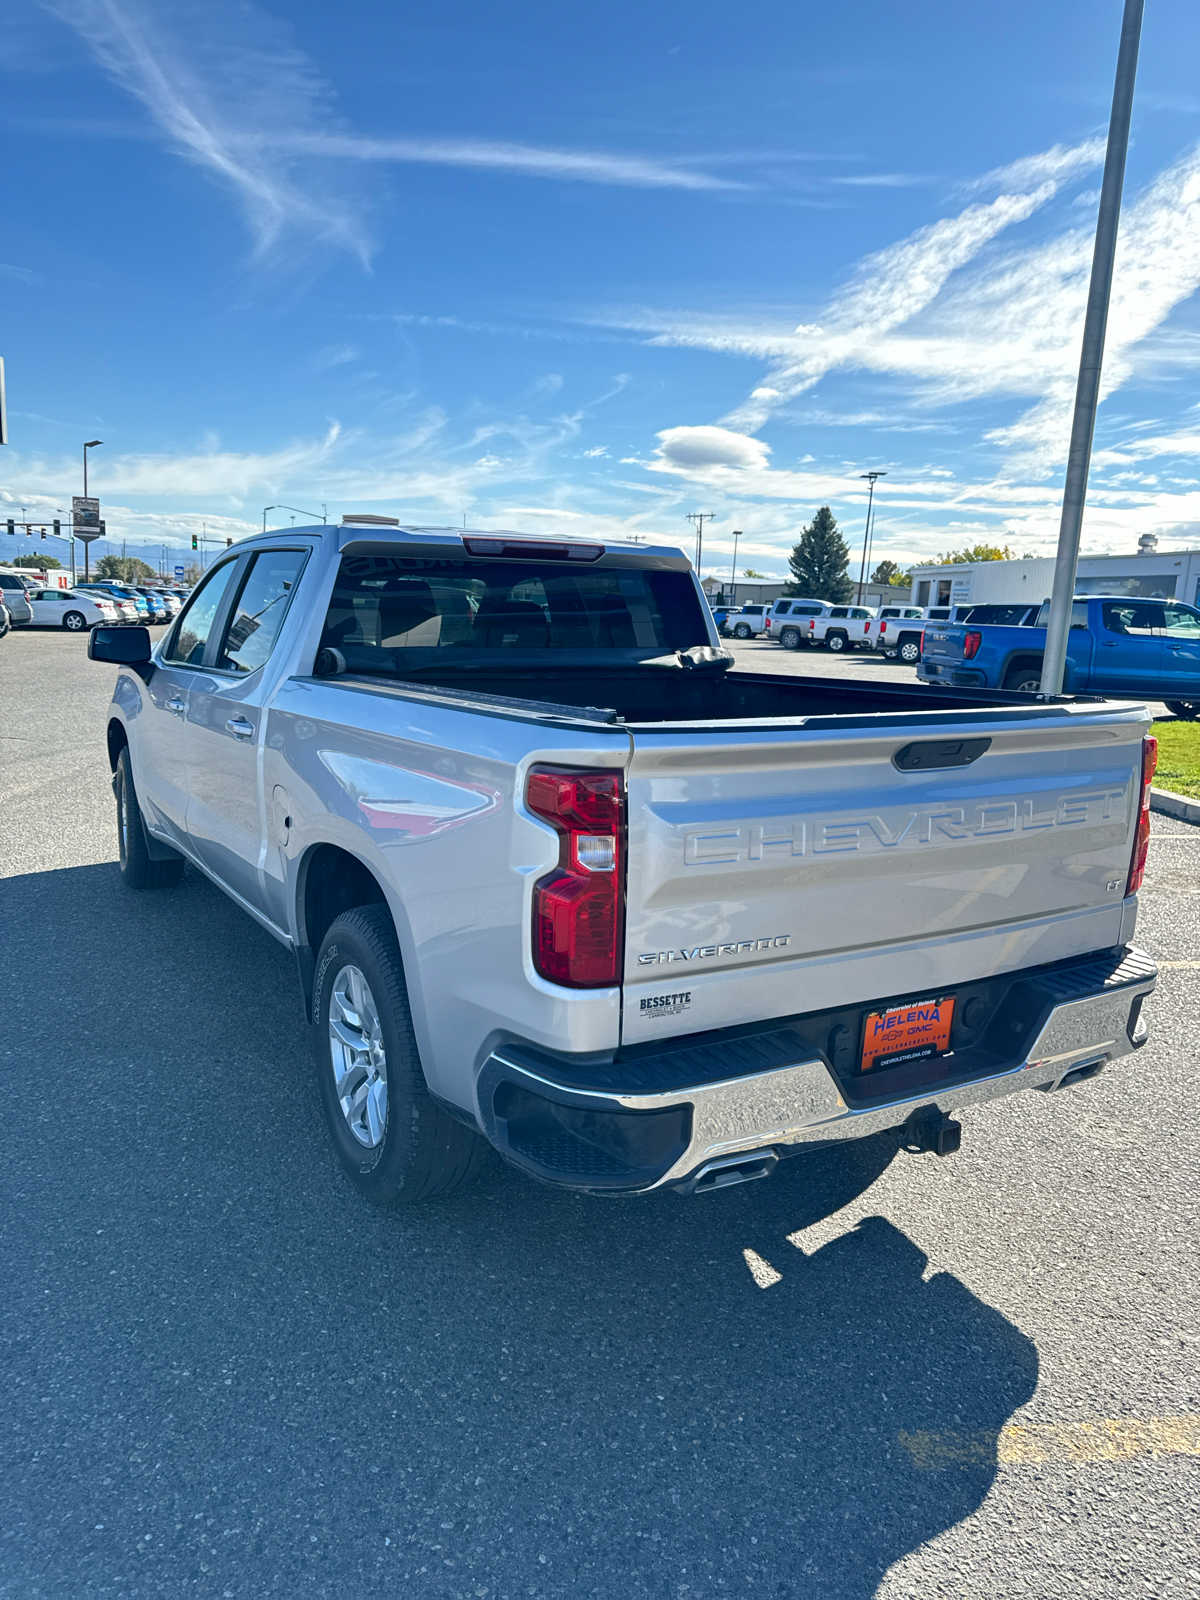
x=1136 y=618
x=1181 y=622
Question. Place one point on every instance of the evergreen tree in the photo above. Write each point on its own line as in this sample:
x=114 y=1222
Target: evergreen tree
x=820 y=561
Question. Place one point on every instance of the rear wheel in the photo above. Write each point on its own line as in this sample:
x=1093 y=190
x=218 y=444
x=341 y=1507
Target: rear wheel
x=910 y=651
x=1027 y=678
x=395 y=1142
x=1189 y=710
x=742 y=631
x=836 y=641
x=139 y=870
x=75 y=621
x=790 y=638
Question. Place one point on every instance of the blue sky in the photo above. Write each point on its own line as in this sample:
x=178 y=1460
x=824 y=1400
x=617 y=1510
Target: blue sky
x=589 y=270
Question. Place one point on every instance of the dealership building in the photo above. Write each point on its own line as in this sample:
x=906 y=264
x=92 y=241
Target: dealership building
x=1167 y=574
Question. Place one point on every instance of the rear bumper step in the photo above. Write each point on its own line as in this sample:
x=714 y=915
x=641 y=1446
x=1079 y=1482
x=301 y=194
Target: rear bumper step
x=701 y=1113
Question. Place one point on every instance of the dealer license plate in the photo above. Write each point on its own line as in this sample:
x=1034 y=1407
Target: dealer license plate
x=907 y=1033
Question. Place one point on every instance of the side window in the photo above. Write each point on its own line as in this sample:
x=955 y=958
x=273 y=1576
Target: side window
x=1136 y=618
x=838 y=611
x=261 y=607
x=196 y=619
x=783 y=608
x=1181 y=622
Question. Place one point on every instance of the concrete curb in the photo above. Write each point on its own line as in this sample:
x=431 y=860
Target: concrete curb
x=1175 y=805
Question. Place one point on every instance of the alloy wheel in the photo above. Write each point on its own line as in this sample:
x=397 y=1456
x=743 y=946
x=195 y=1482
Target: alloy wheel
x=357 y=1057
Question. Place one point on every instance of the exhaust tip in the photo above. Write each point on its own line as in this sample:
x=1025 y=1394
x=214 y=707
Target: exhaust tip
x=724 y=1171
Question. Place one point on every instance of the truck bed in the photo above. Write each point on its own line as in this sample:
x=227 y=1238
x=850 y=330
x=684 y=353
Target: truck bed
x=670 y=695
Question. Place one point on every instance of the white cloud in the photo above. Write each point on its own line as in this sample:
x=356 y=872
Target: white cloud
x=596 y=451
x=711 y=447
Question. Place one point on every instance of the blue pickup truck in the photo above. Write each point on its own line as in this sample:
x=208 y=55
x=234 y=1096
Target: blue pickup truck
x=1128 y=649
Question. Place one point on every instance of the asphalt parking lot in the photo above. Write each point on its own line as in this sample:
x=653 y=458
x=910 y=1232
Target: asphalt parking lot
x=225 y=1375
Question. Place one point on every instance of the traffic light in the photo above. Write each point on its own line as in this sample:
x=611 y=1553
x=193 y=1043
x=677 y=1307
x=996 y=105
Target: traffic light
x=103 y=529
x=57 y=528
x=195 y=542
x=43 y=533
x=10 y=527
x=228 y=542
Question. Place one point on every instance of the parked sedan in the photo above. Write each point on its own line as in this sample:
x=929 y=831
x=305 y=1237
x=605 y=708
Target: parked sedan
x=160 y=611
x=173 y=603
x=71 y=609
x=12 y=594
x=127 y=610
x=122 y=592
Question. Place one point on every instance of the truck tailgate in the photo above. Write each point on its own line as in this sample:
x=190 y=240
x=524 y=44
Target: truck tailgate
x=773 y=871
x=943 y=642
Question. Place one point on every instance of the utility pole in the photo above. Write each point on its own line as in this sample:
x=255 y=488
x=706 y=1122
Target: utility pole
x=1087 y=389
x=698 y=519
x=862 y=566
x=737 y=534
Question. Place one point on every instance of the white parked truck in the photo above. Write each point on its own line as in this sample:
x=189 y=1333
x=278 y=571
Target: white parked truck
x=559 y=881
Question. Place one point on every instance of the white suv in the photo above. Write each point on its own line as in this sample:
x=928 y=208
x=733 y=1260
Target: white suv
x=789 y=620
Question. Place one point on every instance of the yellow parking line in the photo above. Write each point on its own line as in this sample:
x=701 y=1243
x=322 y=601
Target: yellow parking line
x=1031 y=1443
x=1176 y=966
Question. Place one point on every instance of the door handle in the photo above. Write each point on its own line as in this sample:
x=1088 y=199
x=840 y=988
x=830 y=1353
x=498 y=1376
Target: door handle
x=176 y=705
x=240 y=728
x=1109 y=644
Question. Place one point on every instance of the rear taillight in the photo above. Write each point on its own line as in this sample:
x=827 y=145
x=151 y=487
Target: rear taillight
x=768 y=624
x=921 y=646
x=971 y=643
x=882 y=629
x=866 y=627
x=577 y=908
x=1141 y=838
x=812 y=623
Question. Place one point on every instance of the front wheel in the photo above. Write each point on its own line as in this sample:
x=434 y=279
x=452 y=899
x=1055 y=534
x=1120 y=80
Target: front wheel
x=1189 y=710
x=75 y=621
x=742 y=631
x=139 y=869
x=393 y=1140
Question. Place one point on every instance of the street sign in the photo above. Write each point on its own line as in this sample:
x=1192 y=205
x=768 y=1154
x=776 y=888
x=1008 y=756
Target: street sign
x=179 y=572
x=85 y=513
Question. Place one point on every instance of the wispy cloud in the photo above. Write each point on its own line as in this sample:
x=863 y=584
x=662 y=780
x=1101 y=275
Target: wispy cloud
x=335 y=355
x=17 y=274
x=524 y=160
x=213 y=76
x=883 y=180
x=1060 y=162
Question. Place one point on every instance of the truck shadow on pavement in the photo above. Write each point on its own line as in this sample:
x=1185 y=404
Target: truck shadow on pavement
x=226 y=1370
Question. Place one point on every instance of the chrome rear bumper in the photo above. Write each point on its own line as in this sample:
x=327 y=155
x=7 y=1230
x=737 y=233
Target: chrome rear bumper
x=579 y=1125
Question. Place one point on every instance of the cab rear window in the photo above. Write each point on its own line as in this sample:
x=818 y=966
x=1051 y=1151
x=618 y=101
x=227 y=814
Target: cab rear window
x=388 y=611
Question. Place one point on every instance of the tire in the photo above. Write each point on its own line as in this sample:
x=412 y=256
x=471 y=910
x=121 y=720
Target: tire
x=75 y=621
x=836 y=641
x=139 y=870
x=407 y=1149
x=1027 y=678
x=4 y=622
x=909 y=651
x=1188 y=710
x=790 y=638
x=742 y=631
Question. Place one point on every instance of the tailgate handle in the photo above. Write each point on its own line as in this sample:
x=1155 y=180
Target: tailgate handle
x=926 y=755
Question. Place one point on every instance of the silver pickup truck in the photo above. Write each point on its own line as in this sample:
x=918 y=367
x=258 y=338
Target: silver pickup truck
x=556 y=879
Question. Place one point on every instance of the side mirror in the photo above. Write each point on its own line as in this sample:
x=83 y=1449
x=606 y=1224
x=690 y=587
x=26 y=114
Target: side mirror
x=127 y=647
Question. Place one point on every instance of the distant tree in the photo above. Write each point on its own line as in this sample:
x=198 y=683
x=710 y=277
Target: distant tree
x=820 y=561
x=125 y=569
x=749 y=572
x=977 y=552
x=42 y=563
x=891 y=573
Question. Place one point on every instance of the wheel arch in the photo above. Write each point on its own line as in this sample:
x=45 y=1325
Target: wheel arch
x=117 y=740
x=329 y=880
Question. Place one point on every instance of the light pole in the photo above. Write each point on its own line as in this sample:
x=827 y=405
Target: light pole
x=1087 y=387
x=862 y=568
x=87 y=543
x=737 y=534
x=299 y=510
